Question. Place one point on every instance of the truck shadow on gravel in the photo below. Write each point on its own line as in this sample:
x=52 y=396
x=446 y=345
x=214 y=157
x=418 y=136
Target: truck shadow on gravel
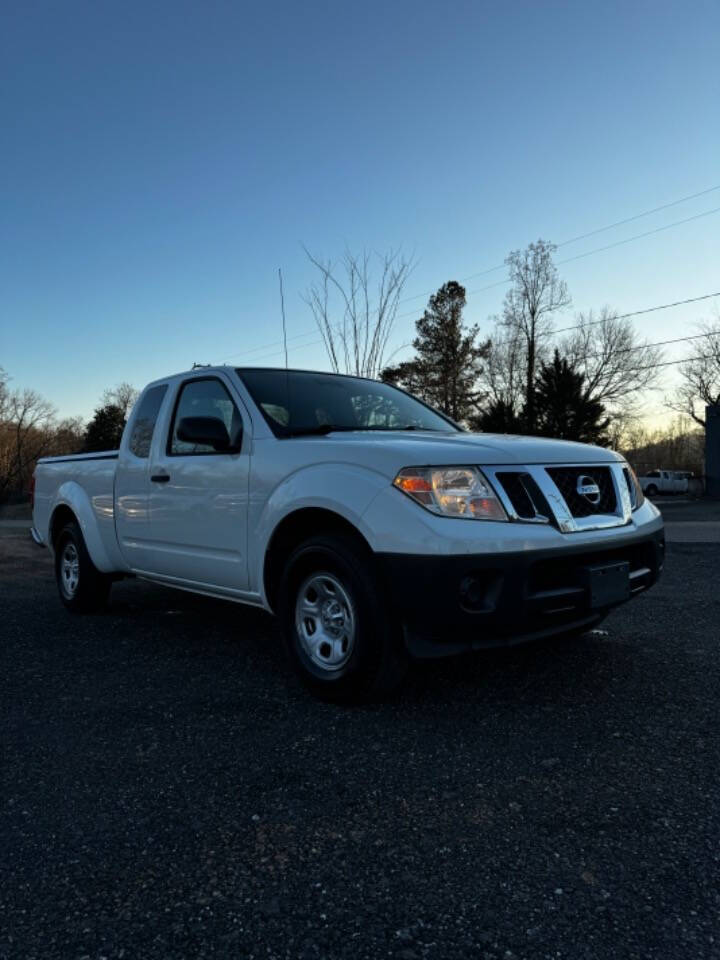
x=565 y=671
x=561 y=670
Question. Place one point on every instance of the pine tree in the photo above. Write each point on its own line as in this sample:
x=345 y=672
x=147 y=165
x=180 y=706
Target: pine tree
x=448 y=362
x=104 y=431
x=563 y=407
x=499 y=417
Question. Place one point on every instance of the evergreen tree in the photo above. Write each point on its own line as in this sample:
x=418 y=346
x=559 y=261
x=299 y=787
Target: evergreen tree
x=105 y=429
x=448 y=361
x=499 y=417
x=563 y=407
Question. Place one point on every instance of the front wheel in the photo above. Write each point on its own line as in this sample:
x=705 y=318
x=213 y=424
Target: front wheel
x=340 y=634
x=82 y=587
x=651 y=490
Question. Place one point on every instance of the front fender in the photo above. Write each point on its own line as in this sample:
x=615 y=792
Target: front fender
x=97 y=523
x=344 y=489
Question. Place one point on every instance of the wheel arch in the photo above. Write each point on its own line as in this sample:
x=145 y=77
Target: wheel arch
x=292 y=530
x=95 y=520
x=61 y=516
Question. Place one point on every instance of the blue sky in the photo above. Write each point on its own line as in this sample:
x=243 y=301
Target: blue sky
x=161 y=160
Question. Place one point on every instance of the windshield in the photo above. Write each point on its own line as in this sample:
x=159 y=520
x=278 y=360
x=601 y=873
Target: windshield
x=297 y=402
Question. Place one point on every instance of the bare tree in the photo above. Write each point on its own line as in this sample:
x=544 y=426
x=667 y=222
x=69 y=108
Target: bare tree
x=625 y=424
x=617 y=364
x=26 y=431
x=700 y=375
x=537 y=293
x=354 y=310
x=67 y=437
x=677 y=445
x=122 y=396
x=502 y=379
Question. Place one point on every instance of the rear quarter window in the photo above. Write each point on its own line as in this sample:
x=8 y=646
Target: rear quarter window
x=144 y=420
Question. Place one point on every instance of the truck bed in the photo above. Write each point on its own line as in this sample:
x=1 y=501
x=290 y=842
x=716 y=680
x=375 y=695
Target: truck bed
x=86 y=482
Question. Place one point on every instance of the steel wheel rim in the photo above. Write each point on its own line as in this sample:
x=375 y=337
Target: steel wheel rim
x=325 y=621
x=69 y=570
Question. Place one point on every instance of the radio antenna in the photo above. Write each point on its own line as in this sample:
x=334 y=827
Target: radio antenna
x=287 y=375
x=282 y=308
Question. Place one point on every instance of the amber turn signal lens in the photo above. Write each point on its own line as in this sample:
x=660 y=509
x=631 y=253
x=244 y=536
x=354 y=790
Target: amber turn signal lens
x=411 y=483
x=487 y=509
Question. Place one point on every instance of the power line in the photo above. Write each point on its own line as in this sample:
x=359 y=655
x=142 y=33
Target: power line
x=646 y=346
x=588 y=253
x=580 y=256
x=641 y=346
x=639 y=216
x=582 y=236
x=577 y=326
x=274 y=343
x=626 y=316
x=637 y=313
x=609 y=246
x=639 y=236
x=672 y=363
x=302 y=346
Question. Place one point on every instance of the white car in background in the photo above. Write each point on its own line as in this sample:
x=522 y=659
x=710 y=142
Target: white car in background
x=664 y=481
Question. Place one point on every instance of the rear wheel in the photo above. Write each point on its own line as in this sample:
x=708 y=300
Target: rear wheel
x=340 y=635
x=651 y=491
x=82 y=587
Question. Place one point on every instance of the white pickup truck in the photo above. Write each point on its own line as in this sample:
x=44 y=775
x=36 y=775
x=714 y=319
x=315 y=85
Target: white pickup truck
x=664 y=481
x=372 y=525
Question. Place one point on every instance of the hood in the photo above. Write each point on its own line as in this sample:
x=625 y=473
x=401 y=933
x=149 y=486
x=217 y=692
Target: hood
x=394 y=450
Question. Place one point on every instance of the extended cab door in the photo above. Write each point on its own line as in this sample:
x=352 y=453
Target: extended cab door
x=199 y=496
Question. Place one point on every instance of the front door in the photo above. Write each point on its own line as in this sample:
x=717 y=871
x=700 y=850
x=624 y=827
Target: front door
x=199 y=496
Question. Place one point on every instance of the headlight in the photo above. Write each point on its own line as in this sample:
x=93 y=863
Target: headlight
x=637 y=497
x=451 y=492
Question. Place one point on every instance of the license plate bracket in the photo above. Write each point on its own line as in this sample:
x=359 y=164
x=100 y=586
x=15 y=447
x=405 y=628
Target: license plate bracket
x=606 y=583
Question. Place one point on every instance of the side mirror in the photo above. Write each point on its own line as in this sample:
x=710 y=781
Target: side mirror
x=210 y=431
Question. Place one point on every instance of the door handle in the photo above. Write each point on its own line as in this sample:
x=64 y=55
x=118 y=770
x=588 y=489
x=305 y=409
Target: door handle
x=160 y=477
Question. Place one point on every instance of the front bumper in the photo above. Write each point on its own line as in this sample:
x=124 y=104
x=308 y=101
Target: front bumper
x=450 y=604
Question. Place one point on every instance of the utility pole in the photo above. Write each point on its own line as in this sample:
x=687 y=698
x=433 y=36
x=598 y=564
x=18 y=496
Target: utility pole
x=712 y=451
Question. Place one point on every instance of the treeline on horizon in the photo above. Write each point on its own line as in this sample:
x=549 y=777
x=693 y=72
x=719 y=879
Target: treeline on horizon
x=586 y=381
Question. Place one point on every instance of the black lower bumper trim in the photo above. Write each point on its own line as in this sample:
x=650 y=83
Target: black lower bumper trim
x=449 y=604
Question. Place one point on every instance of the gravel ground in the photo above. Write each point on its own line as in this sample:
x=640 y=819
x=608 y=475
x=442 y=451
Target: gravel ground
x=680 y=509
x=167 y=789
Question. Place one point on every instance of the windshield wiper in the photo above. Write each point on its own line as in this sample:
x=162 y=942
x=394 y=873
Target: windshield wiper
x=321 y=429
x=317 y=431
x=408 y=426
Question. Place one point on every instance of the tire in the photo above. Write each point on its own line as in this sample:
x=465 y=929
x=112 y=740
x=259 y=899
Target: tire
x=341 y=637
x=651 y=491
x=82 y=587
